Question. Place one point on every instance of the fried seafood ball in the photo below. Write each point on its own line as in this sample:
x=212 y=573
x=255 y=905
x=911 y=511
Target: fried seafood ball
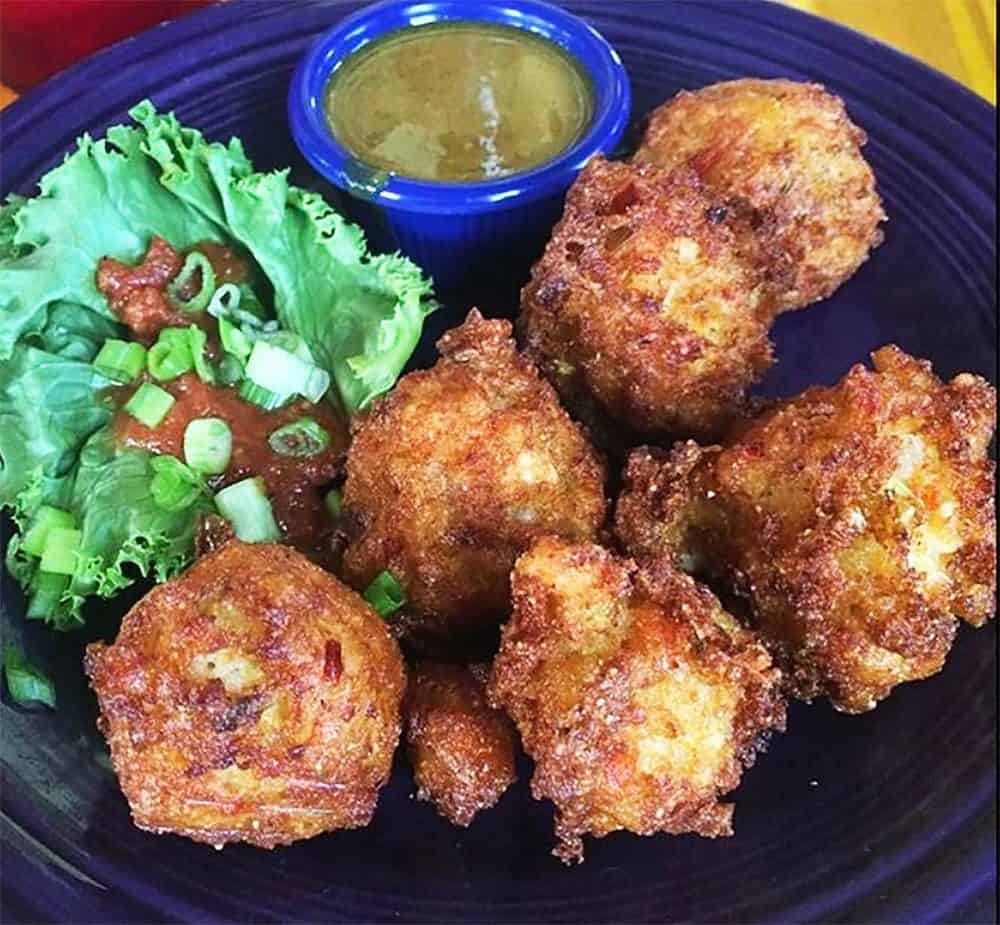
x=638 y=697
x=648 y=307
x=857 y=521
x=455 y=472
x=255 y=698
x=789 y=152
x=461 y=749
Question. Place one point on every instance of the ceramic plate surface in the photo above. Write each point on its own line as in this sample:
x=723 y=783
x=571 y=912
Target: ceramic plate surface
x=886 y=816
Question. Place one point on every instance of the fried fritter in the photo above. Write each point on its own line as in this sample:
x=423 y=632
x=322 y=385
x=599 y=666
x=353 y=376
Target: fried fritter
x=857 y=520
x=461 y=749
x=455 y=472
x=254 y=698
x=640 y=699
x=649 y=307
x=788 y=151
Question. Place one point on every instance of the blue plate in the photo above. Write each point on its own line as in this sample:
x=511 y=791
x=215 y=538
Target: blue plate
x=890 y=816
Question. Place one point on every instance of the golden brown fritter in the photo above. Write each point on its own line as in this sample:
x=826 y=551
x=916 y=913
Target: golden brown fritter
x=454 y=473
x=788 y=151
x=648 y=307
x=857 y=520
x=640 y=699
x=461 y=749
x=255 y=698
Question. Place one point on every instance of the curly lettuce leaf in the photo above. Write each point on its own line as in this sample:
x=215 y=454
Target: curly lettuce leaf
x=49 y=405
x=104 y=199
x=361 y=315
x=125 y=533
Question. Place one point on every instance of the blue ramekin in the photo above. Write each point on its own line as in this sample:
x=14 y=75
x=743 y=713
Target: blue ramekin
x=458 y=232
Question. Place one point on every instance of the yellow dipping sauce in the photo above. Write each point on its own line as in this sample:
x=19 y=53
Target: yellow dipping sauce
x=464 y=102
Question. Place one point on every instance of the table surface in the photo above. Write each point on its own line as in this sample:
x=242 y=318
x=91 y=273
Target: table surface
x=954 y=36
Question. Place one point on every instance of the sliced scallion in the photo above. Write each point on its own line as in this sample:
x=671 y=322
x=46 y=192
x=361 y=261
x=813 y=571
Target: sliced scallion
x=198 y=341
x=208 y=445
x=303 y=437
x=195 y=262
x=385 y=594
x=234 y=341
x=26 y=683
x=334 y=501
x=281 y=371
x=47 y=589
x=174 y=486
x=171 y=355
x=290 y=341
x=228 y=371
x=247 y=508
x=62 y=547
x=262 y=398
x=149 y=404
x=46 y=517
x=120 y=360
x=224 y=300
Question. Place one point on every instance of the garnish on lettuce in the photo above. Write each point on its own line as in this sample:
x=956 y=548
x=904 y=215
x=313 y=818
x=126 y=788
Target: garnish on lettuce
x=360 y=315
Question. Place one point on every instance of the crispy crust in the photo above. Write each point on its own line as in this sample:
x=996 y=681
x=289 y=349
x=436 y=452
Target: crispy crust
x=255 y=698
x=648 y=309
x=858 y=520
x=462 y=751
x=789 y=152
x=639 y=699
x=454 y=473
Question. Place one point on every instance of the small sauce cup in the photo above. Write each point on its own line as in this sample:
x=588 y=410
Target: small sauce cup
x=466 y=233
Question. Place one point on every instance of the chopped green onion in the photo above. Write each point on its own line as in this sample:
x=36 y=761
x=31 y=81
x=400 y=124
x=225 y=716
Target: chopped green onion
x=26 y=683
x=283 y=372
x=334 y=501
x=170 y=356
x=198 y=340
x=290 y=341
x=385 y=594
x=174 y=486
x=195 y=262
x=208 y=445
x=60 y=554
x=120 y=360
x=228 y=371
x=234 y=341
x=47 y=589
x=263 y=398
x=303 y=437
x=225 y=300
x=247 y=508
x=44 y=520
x=149 y=404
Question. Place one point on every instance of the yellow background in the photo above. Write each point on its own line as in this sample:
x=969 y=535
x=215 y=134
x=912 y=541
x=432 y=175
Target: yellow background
x=958 y=37
x=955 y=36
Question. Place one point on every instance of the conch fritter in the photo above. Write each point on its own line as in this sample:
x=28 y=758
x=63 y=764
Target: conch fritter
x=649 y=308
x=455 y=472
x=789 y=152
x=254 y=698
x=461 y=749
x=858 y=521
x=638 y=697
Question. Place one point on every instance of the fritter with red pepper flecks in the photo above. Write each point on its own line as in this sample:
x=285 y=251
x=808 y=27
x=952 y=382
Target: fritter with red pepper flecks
x=789 y=152
x=455 y=472
x=648 y=310
x=638 y=697
x=461 y=749
x=254 y=698
x=857 y=520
